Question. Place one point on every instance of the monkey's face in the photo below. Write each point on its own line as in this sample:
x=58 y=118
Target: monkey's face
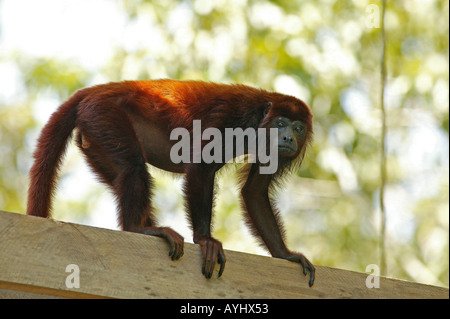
x=291 y=136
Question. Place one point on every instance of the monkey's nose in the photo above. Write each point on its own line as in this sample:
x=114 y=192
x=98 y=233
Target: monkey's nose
x=288 y=139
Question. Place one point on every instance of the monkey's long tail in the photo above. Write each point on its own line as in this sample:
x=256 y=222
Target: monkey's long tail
x=48 y=156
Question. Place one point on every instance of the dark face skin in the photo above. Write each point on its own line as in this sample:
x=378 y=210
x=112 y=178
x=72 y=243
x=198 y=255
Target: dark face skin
x=290 y=136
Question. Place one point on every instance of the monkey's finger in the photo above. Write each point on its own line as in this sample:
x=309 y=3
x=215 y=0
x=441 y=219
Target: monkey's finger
x=312 y=277
x=210 y=259
x=172 y=248
x=312 y=272
x=178 y=248
x=171 y=243
x=206 y=267
x=222 y=261
x=304 y=266
x=174 y=254
x=203 y=258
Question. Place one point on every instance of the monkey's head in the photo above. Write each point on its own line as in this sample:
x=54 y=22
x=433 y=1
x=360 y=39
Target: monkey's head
x=293 y=120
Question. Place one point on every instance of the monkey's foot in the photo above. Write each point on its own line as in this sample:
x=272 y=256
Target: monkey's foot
x=212 y=252
x=175 y=240
x=306 y=264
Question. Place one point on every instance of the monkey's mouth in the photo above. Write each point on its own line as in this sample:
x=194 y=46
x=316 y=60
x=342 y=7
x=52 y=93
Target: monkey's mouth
x=285 y=150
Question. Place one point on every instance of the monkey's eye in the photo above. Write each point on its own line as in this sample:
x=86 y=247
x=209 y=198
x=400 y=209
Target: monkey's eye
x=281 y=123
x=300 y=129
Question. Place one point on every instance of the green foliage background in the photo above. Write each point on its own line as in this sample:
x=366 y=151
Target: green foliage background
x=325 y=52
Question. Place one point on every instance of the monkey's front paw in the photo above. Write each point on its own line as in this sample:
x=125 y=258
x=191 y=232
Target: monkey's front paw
x=306 y=264
x=212 y=251
x=175 y=240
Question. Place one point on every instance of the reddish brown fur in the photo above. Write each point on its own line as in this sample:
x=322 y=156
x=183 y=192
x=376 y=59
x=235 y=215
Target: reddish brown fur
x=122 y=126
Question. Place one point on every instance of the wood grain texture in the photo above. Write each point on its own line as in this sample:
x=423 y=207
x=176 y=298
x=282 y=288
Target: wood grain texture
x=34 y=253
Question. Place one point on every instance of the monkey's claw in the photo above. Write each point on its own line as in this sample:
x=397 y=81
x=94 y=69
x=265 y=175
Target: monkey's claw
x=212 y=251
x=306 y=264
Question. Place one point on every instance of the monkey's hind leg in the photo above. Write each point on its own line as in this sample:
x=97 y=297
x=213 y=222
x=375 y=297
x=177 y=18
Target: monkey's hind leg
x=114 y=152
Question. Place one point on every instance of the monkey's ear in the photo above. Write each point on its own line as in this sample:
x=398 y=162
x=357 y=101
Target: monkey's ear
x=267 y=108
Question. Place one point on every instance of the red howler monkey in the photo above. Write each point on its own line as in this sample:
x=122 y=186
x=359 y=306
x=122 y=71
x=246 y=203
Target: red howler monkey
x=122 y=126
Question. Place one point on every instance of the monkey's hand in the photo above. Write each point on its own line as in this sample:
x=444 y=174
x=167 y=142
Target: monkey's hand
x=175 y=240
x=306 y=264
x=212 y=251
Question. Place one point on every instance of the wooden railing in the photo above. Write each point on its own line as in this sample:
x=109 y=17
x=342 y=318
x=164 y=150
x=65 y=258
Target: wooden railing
x=44 y=258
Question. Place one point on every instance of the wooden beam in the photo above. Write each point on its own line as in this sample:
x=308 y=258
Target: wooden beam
x=34 y=254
